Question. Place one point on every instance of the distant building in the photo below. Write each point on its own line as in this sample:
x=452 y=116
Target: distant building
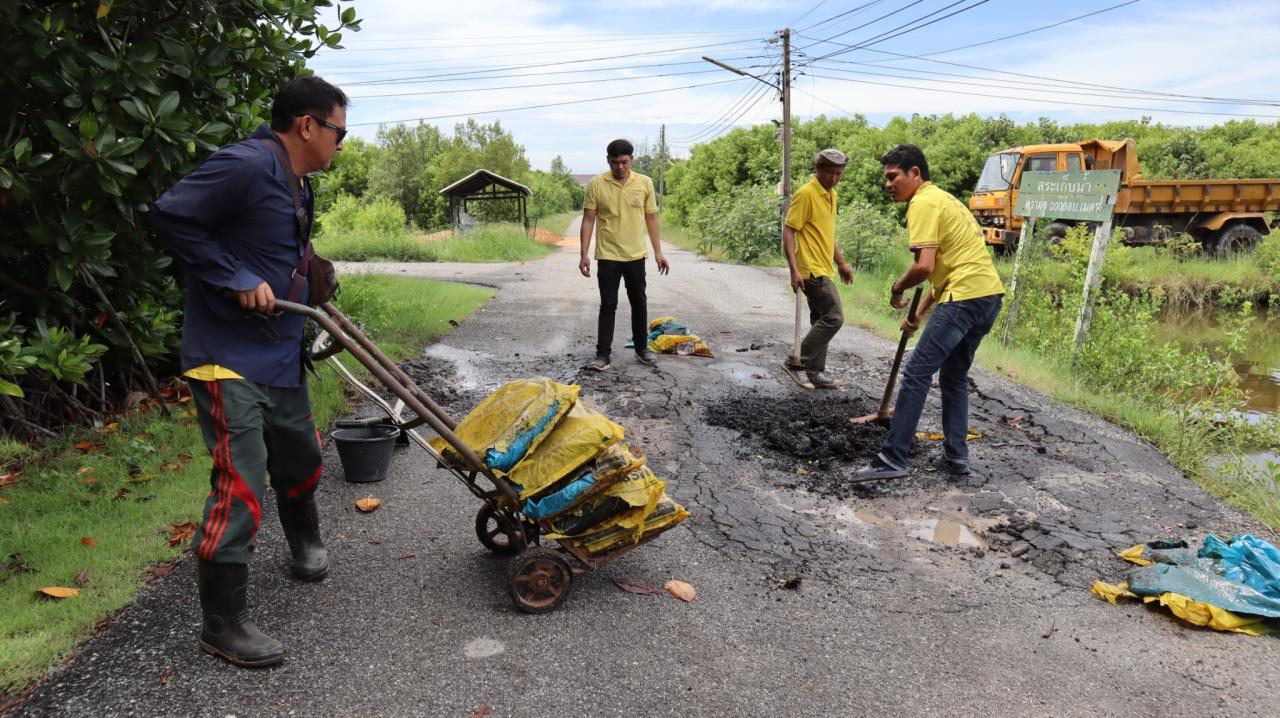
x=582 y=179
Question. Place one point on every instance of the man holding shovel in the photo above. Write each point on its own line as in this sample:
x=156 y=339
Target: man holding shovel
x=809 y=240
x=950 y=253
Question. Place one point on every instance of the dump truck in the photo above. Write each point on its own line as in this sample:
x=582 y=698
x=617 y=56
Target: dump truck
x=1226 y=215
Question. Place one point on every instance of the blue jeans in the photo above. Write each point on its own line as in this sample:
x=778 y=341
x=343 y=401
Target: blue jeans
x=946 y=348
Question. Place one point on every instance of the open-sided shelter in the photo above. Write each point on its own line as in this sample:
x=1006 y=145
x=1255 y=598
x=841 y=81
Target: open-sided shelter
x=483 y=185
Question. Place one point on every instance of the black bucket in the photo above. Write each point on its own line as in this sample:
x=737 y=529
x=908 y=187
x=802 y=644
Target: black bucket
x=365 y=451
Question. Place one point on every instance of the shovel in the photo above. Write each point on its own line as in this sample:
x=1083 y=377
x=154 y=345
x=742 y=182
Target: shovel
x=886 y=412
x=795 y=350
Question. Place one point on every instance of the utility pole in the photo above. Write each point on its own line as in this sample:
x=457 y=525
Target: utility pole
x=785 y=87
x=662 y=164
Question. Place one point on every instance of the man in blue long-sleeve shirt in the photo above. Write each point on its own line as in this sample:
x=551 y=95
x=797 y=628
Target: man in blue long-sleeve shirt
x=241 y=237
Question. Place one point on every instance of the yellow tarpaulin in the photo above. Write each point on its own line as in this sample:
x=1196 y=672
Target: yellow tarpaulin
x=511 y=422
x=1188 y=609
x=1134 y=554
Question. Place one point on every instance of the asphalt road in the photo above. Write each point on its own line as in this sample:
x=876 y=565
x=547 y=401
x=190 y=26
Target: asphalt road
x=930 y=596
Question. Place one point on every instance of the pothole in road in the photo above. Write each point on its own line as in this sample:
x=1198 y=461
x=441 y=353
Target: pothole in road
x=745 y=374
x=805 y=426
x=934 y=530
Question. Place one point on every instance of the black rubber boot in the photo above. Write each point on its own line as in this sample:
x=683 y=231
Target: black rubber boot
x=228 y=631
x=301 y=524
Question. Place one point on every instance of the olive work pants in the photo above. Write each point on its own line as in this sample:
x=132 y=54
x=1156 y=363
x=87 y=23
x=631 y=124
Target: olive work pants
x=252 y=432
x=826 y=315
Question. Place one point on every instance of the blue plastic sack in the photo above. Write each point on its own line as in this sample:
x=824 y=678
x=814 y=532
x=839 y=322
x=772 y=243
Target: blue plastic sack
x=1240 y=575
x=519 y=446
x=1246 y=559
x=552 y=504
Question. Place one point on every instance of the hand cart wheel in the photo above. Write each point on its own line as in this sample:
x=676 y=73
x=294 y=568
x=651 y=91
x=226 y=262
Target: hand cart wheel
x=498 y=532
x=538 y=579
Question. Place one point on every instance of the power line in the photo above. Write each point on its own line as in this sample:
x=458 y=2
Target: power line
x=464 y=59
x=837 y=17
x=882 y=37
x=426 y=79
x=811 y=11
x=532 y=85
x=1056 y=102
x=859 y=27
x=553 y=64
x=536 y=107
x=724 y=123
x=1028 y=32
x=847 y=112
x=901 y=56
x=1059 y=89
x=746 y=96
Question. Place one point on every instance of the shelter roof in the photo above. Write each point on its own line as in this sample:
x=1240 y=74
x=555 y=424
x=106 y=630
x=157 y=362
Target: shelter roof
x=478 y=180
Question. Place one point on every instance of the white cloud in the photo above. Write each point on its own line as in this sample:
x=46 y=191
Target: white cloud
x=1220 y=49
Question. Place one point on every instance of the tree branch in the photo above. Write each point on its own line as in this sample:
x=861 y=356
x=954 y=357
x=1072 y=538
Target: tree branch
x=137 y=353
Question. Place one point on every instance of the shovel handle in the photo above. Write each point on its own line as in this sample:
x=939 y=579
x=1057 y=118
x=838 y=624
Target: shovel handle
x=795 y=348
x=897 y=358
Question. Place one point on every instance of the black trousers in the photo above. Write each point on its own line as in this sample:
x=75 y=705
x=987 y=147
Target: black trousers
x=608 y=274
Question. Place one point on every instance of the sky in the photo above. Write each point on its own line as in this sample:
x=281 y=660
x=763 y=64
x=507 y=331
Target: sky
x=590 y=72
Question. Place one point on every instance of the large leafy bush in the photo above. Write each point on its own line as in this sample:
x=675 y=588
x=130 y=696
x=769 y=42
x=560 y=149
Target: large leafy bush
x=108 y=104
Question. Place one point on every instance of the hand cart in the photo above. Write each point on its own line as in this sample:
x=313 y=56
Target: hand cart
x=538 y=577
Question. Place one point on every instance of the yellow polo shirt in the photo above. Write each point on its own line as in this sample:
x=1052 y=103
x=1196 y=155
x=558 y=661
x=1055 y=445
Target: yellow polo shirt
x=813 y=218
x=620 y=209
x=962 y=268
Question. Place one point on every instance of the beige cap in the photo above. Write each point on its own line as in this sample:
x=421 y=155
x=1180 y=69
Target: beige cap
x=831 y=156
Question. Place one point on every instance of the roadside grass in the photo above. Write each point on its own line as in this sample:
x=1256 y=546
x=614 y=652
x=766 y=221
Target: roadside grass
x=1196 y=282
x=558 y=223
x=1189 y=445
x=98 y=516
x=487 y=243
x=685 y=239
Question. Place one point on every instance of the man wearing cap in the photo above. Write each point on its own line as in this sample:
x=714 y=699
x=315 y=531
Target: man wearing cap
x=809 y=240
x=949 y=252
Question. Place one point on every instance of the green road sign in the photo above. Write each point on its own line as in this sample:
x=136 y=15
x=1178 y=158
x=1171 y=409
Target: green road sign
x=1087 y=195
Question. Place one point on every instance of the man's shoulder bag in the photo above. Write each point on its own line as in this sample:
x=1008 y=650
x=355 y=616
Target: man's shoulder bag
x=311 y=267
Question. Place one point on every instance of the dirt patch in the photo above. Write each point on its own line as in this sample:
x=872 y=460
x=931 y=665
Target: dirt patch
x=547 y=237
x=807 y=426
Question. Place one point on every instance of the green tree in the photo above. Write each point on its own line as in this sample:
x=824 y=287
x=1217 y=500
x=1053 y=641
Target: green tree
x=403 y=172
x=349 y=173
x=107 y=104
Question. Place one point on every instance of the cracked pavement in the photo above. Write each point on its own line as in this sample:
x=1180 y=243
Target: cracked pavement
x=932 y=595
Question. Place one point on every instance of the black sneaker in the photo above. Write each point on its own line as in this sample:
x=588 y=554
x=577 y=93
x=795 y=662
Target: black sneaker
x=951 y=466
x=876 y=471
x=600 y=363
x=646 y=357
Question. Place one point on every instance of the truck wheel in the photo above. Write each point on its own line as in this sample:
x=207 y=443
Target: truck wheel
x=1237 y=239
x=1057 y=231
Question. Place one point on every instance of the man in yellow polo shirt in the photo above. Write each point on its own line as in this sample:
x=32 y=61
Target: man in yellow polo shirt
x=809 y=241
x=966 y=291
x=620 y=206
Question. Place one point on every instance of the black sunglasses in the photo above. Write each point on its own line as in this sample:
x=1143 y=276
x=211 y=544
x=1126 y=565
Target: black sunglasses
x=340 y=131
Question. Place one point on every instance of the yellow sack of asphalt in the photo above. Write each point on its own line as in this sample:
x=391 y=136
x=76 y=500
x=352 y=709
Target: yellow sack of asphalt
x=670 y=344
x=579 y=436
x=665 y=515
x=640 y=489
x=510 y=422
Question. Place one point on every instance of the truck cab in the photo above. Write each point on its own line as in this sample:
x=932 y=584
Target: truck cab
x=996 y=192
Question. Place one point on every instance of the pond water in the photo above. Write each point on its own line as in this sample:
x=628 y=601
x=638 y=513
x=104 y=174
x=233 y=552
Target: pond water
x=1259 y=368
